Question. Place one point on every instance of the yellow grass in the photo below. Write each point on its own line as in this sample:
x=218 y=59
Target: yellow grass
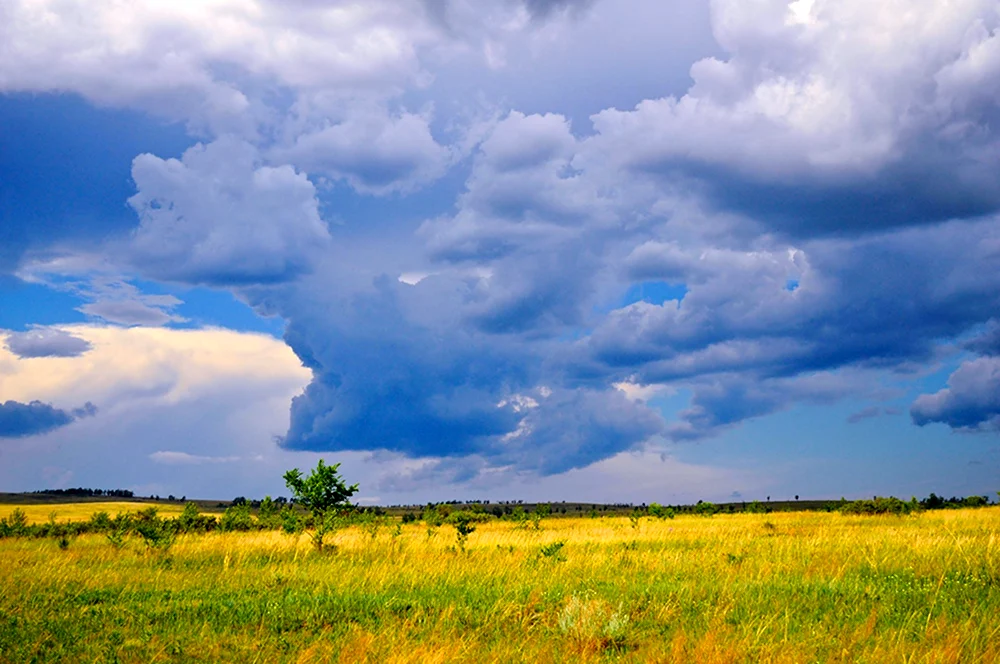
x=791 y=587
x=40 y=513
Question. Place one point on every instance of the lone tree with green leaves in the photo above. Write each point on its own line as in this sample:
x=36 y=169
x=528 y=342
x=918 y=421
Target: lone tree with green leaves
x=323 y=493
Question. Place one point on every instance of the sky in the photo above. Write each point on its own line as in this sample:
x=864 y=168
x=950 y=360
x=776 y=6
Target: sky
x=581 y=250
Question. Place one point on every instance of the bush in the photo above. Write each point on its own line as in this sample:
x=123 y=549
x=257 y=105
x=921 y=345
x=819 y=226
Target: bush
x=879 y=505
x=192 y=521
x=290 y=521
x=463 y=522
x=593 y=624
x=706 y=509
x=14 y=525
x=269 y=513
x=237 y=518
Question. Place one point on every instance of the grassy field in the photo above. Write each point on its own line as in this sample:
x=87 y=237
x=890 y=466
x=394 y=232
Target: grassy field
x=788 y=587
x=40 y=513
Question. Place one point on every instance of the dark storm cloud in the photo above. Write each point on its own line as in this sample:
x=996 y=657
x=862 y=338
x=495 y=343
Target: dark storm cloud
x=987 y=343
x=46 y=342
x=20 y=420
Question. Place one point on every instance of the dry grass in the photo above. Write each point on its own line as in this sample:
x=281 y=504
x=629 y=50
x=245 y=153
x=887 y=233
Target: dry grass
x=42 y=512
x=790 y=587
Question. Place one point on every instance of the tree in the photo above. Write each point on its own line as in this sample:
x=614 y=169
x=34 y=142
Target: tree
x=322 y=492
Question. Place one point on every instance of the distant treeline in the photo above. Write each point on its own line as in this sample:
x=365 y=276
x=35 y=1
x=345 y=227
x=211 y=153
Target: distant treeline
x=81 y=492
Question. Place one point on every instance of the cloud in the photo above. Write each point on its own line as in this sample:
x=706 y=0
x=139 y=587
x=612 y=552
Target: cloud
x=46 y=342
x=20 y=420
x=183 y=458
x=828 y=115
x=971 y=402
x=798 y=199
x=869 y=413
x=112 y=298
x=203 y=393
x=374 y=152
x=988 y=342
x=219 y=217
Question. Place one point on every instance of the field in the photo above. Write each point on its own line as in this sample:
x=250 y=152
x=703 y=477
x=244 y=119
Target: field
x=782 y=587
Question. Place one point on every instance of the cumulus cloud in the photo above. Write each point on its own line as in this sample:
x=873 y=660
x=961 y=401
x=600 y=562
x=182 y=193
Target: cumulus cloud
x=219 y=217
x=971 y=402
x=46 y=342
x=798 y=199
x=828 y=114
x=374 y=152
x=20 y=420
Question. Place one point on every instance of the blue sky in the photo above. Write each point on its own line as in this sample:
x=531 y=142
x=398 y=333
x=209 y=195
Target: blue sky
x=539 y=249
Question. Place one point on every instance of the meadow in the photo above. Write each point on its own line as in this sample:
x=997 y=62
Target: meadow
x=780 y=587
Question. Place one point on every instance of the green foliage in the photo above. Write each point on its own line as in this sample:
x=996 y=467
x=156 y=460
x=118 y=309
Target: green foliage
x=634 y=518
x=191 y=520
x=706 y=509
x=756 y=507
x=14 y=525
x=269 y=513
x=553 y=550
x=322 y=490
x=879 y=505
x=100 y=522
x=519 y=517
x=157 y=533
x=290 y=521
x=237 y=518
x=463 y=521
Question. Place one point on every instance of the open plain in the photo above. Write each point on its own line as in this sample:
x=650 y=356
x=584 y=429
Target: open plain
x=779 y=587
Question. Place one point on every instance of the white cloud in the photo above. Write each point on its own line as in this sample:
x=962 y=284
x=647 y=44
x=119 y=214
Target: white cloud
x=830 y=92
x=183 y=458
x=217 y=216
x=375 y=152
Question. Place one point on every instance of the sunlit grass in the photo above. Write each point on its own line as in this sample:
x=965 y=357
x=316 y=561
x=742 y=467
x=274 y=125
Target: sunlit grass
x=42 y=512
x=789 y=587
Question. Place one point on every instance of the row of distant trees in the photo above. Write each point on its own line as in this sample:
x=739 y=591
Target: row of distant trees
x=506 y=508
x=80 y=492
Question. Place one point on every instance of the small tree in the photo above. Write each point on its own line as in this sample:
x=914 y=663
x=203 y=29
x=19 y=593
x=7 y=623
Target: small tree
x=322 y=492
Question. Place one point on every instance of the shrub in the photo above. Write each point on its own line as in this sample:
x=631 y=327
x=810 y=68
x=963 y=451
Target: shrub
x=157 y=533
x=879 y=505
x=553 y=550
x=237 y=518
x=463 y=521
x=705 y=508
x=593 y=624
x=14 y=525
x=100 y=522
x=269 y=513
x=290 y=521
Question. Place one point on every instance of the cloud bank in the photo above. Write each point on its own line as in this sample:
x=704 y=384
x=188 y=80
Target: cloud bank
x=20 y=420
x=817 y=214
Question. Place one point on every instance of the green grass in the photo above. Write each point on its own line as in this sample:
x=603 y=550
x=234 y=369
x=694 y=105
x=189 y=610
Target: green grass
x=731 y=588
